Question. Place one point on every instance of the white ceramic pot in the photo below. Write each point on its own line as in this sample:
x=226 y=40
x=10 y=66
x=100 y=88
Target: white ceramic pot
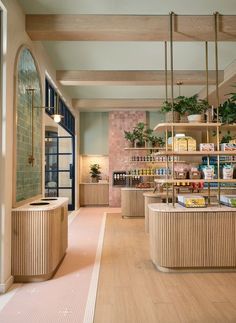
x=195 y=118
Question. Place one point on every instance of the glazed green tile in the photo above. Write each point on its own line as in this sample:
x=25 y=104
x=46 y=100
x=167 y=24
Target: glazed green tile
x=28 y=179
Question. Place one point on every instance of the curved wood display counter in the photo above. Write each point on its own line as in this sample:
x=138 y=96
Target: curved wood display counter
x=192 y=239
x=39 y=239
x=132 y=201
x=150 y=197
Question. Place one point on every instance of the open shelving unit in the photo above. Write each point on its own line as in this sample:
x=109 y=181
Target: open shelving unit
x=171 y=151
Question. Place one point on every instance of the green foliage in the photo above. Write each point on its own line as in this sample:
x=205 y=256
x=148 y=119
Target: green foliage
x=183 y=104
x=166 y=107
x=156 y=141
x=129 y=136
x=227 y=110
x=95 y=171
x=191 y=105
x=226 y=138
x=141 y=134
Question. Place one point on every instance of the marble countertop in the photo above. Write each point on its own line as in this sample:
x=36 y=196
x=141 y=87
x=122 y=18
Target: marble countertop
x=52 y=205
x=162 y=207
x=83 y=183
x=136 y=189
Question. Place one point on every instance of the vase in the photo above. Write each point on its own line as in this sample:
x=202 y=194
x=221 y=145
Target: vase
x=195 y=118
x=94 y=180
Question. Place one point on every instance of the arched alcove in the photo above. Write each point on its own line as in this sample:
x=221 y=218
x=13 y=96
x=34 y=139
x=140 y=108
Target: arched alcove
x=28 y=128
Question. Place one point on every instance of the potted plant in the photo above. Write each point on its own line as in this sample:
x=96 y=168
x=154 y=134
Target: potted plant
x=192 y=106
x=226 y=138
x=148 y=134
x=167 y=109
x=156 y=141
x=139 y=133
x=130 y=137
x=227 y=110
x=95 y=172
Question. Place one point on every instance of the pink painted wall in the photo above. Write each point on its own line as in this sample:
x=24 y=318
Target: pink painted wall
x=118 y=157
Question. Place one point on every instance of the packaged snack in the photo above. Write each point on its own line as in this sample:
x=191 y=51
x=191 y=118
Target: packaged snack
x=229 y=200
x=228 y=171
x=228 y=147
x=208 y=172
x=206 y=147
x=192 y=144
x=191 y=200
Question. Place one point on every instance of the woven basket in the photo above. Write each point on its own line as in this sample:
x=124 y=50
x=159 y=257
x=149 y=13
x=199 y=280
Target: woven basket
x=183 y=118
x=169 y=116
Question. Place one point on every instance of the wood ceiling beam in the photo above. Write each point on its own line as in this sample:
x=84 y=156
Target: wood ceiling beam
x=128 y=27
x=73 y=78
x=226 y=87
x=116 y=104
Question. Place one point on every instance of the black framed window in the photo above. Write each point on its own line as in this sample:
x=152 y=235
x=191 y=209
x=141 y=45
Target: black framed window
x=68 y=120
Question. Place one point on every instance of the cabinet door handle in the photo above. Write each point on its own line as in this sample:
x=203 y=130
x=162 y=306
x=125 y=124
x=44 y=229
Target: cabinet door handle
x=71 y=171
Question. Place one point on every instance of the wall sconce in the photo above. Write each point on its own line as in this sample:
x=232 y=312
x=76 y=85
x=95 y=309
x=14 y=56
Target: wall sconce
x=31 y=156
x=56 y=116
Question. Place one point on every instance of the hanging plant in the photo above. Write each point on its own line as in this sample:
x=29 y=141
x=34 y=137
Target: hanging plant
x=227 y=110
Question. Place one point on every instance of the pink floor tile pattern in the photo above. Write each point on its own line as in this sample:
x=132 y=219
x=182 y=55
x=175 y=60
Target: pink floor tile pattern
x=62 y=299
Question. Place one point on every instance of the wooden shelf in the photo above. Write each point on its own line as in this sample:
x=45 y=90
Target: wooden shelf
x=144 y=148
x=196 y=153
x=171 y=181
x=142 y=175
x=162 y=162
x=188 y=126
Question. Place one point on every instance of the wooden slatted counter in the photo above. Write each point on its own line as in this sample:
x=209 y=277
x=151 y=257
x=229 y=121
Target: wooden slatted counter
x=184 y=239
x=39 y=239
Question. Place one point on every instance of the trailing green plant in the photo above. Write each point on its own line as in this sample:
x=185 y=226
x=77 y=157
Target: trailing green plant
x=226 y=138
x=156 y=141
x=95 y=171
x=142 y=135
x=166 y=107
x=191 y=105
x=130 y=136
x=227 y=110
x=139 y=133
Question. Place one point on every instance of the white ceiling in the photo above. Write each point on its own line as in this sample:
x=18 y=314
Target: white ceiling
x=89 y=55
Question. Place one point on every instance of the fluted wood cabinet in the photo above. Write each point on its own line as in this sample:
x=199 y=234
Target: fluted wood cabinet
x=39 y=240
x=94 y=194
x=132 y=202
x=192 y=239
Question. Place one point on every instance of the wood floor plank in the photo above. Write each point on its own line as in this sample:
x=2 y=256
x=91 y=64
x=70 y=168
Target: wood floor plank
x=132 y=290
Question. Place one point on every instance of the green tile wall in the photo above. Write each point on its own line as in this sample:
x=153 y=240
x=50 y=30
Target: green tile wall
x=28 y=178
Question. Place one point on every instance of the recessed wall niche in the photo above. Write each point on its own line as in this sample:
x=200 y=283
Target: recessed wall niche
x=28 y=132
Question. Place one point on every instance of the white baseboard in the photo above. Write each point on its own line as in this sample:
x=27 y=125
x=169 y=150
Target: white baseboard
x=5 y=286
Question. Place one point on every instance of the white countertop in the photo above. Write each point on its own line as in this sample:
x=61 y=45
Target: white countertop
x=163 y=207
x=94 y=183
x=52 y=205
x=136 y=189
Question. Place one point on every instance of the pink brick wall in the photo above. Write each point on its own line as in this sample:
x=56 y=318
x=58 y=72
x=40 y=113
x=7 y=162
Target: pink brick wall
x=118 y=157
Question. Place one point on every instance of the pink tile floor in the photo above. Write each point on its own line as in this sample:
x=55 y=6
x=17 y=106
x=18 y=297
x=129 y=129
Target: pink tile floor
x=62 y=299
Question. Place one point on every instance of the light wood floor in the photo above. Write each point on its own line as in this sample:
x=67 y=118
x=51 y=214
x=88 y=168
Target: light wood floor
x=131 y=290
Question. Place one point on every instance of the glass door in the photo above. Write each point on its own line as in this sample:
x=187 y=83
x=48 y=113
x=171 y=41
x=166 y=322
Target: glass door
x=59 y=167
